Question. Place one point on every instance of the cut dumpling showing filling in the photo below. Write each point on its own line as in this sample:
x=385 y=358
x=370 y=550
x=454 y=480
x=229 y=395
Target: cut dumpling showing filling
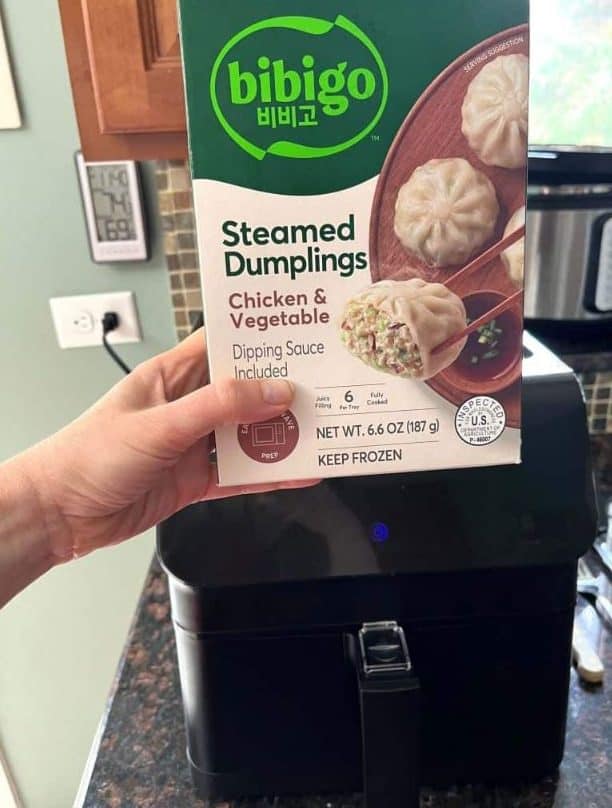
x=514 y=256
x=494 y=112
x=394 y=326
x=445 y=212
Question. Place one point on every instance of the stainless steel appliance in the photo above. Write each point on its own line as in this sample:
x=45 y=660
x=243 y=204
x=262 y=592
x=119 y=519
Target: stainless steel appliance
x=371 y=634
x=568 y=259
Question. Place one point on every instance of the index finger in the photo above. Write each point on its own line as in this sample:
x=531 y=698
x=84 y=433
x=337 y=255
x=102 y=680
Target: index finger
x=215 y=491
x=184 y=368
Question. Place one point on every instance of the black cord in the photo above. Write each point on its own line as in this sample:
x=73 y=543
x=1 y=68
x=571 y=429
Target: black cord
x=110 y=322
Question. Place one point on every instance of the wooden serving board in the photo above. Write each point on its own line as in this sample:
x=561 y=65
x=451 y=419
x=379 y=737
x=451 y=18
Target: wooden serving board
x=431 y=130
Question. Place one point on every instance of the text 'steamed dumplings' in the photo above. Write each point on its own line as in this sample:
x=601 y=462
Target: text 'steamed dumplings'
x=495 y=112
x=393 y=326
x=350 y=233
x=514 y=256
x=445 y=212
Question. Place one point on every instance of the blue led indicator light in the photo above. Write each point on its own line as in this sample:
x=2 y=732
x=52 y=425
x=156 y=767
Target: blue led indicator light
x=380 y=532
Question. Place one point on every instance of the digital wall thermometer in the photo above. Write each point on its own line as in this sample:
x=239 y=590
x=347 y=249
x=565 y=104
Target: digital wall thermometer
x=114 y=211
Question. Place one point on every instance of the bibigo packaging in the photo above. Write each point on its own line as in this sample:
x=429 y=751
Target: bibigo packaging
x=359 y=183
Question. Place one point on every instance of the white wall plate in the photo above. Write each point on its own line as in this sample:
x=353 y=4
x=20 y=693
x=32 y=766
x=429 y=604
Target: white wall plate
x=78 y=319
x=9 y=109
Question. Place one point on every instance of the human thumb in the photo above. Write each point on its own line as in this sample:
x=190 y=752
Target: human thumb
x=183 y=422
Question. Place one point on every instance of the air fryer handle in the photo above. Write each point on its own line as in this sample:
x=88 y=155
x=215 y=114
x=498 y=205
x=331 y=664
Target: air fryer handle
x=389 y=697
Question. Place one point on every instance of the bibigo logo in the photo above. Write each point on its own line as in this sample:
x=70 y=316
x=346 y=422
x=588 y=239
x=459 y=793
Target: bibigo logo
x=299 y=87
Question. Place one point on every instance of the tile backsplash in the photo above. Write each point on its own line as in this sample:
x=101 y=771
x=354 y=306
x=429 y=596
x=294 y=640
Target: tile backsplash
x=597 y=388
x=176 y=208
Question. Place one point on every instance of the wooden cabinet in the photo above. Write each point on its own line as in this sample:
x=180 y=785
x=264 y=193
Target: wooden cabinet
x=125 y=70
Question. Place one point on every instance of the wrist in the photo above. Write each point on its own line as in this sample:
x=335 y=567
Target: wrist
x=26 y=550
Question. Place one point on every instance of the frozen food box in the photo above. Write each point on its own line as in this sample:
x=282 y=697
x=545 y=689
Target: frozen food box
x=359 y=186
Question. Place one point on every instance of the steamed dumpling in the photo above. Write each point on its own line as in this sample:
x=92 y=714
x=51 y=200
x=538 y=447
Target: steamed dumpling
x=445 y=212
x=494 y=112
x=394 y=326
x=514 y=256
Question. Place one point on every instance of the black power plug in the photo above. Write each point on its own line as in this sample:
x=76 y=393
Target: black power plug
x=110 y=322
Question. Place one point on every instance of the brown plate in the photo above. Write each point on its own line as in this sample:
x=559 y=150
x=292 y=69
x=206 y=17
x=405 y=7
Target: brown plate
x=431 y=130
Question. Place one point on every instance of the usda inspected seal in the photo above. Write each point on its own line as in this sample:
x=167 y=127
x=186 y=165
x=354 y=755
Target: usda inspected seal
x=480 y=420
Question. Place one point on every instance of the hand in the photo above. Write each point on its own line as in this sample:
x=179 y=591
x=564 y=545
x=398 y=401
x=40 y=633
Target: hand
x=142 y=452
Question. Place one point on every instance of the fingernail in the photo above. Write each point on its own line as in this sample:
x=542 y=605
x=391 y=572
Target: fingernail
x=277 y=392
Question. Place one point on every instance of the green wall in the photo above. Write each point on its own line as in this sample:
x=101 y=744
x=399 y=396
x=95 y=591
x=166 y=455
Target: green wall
x=60 y=641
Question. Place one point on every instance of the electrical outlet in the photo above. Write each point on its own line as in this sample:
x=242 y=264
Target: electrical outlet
x=78 y=319
x=84 y=322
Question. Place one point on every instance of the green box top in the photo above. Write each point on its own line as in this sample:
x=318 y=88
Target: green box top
x=306 y=97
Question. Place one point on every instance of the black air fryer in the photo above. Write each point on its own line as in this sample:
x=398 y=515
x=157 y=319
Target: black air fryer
x=378 y=633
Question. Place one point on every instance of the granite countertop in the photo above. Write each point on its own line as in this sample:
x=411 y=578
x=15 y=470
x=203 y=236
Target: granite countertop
x=138 y=758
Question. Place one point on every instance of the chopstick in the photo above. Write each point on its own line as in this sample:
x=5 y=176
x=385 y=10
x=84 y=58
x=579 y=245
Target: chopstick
x=485 y=318
x=482 y=260
x=488 y=255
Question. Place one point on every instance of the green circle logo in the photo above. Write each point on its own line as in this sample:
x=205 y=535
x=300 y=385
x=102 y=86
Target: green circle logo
x=299 y=87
